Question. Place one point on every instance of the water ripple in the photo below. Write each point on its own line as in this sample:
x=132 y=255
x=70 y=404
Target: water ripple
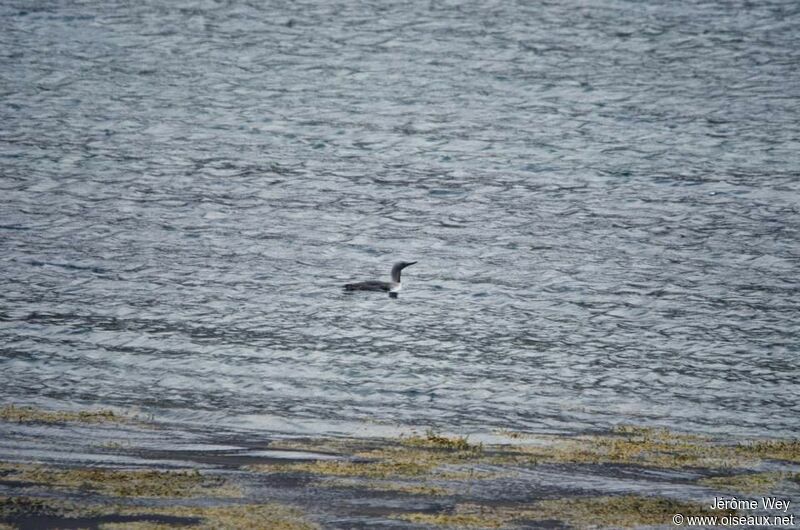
x=603 y=200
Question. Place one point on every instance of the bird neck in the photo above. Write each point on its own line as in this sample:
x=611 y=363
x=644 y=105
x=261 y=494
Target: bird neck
x=396 y=274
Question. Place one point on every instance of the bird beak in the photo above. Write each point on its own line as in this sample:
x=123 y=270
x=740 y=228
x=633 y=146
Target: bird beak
x=409 y=264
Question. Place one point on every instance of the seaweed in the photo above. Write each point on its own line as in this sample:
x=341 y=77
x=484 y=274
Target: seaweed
x=13 y=413
x=120 y=482
x=623 y=511
x=22 y=511
x=752 y=483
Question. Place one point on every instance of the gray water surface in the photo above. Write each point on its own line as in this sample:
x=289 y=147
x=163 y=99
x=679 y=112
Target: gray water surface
x=603 y=197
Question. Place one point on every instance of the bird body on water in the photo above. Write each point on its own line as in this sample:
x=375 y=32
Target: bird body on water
x=392 y=287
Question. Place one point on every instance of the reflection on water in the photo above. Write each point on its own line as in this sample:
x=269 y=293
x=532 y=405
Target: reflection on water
x=603 y=200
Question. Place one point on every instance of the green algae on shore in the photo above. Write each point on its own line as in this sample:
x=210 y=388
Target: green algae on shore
x=625 y=511
x=389 y=486
x=434 y=440
x=484 y=517
x=393 y=465
x=438 y=456
x=13 y=413
x=654 y=447
x=274 y=516
x=434 y=455
x=15 y=511
x=750 y=483
x=783 y=450
x=345 y=468
x=120 y=482
x=641 y=446
x=448 y=476
x=16 y=507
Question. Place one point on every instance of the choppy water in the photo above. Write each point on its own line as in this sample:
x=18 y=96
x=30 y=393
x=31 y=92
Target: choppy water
x=604 y=200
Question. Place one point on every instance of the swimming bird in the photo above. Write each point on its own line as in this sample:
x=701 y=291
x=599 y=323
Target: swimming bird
x=391 y=287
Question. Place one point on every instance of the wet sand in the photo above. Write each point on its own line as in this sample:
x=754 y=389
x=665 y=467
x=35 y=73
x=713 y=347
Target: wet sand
x=98 y=469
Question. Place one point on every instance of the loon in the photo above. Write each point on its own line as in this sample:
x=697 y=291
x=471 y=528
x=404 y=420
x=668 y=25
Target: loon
x=391 y=287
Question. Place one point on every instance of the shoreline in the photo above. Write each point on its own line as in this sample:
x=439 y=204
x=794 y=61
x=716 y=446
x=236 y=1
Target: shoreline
x=102 y=470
